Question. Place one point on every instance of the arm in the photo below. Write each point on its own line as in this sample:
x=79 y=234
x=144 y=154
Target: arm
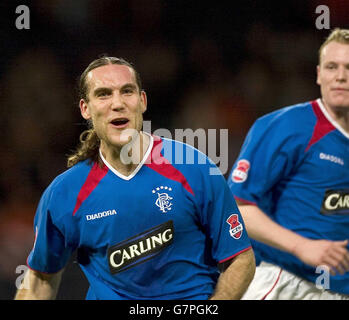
x=39 y=286
x=332 y=254
x=234 y=281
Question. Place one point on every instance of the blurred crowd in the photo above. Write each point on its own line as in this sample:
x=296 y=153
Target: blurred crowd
x=203 y=66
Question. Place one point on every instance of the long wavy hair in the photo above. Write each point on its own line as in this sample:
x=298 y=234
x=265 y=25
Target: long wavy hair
x=89 y=141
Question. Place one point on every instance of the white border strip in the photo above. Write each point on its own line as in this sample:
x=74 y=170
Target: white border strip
x=329 y=118
x=129 y=177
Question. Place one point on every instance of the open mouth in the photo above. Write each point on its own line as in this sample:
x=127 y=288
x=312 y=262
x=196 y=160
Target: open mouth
x=120 y=122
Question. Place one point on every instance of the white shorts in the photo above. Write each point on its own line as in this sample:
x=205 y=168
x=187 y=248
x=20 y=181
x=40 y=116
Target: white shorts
x=274 y=283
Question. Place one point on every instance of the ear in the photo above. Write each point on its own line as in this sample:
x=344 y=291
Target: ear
x=318 y=75
x=85 y=112
x=143 y=101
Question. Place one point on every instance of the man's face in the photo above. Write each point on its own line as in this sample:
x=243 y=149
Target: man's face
x=115 y=103
x=333 y=75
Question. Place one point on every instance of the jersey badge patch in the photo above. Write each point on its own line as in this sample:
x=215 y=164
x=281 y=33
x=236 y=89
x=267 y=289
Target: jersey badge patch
x=235 y=226
x=240 y=172
x=163 y=200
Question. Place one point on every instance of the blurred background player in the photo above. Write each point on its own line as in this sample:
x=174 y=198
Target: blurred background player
x=145 y=226
x=291 y=181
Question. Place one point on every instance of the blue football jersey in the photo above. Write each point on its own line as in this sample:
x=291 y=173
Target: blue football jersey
x=294 y=165
x=159 y=233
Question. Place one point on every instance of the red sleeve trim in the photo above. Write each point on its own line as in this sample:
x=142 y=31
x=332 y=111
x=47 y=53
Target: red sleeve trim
x=245 y=201
x=235 y=254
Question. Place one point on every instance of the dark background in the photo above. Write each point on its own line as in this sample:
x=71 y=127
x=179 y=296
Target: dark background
x=207 y=65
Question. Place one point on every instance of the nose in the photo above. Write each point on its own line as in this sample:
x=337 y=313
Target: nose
x=342 y=74
x=117 y=102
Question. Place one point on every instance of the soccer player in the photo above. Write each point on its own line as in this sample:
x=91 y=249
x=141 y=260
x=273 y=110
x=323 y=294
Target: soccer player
x=145 y=224
x=291 y=182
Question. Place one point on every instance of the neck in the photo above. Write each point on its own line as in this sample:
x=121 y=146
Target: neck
x=339 y=114
x=125 y=159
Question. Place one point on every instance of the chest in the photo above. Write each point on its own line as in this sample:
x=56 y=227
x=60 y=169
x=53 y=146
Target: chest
x=118 y=209
x=325 y=164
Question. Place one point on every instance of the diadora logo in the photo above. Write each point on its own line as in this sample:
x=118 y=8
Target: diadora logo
x=163 y=200
x=140 y=248
x=100 y=214
x=330 y=157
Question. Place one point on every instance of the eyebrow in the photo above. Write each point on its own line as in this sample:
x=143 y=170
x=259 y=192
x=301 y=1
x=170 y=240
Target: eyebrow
x=108 y=89
x=129 y=86
x=335 y=63
x=100 y=90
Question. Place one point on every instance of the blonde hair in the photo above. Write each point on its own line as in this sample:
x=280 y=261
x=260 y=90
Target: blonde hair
x=88 y=147
x=337 y=35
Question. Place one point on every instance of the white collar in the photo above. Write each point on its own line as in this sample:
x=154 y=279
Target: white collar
x=129 y=177
x=330 y=119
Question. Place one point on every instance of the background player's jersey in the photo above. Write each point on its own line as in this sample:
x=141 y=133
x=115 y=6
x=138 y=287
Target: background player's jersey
x=156 y=234
x=294 y=165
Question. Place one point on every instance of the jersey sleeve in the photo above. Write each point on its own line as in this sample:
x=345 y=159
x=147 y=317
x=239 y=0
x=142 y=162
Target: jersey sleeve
x=51 y=251
x=270 y=152
x=222 y=220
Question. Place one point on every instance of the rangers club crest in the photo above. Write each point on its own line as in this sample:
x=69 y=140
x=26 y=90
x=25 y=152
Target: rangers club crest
x=240 y=172
x=163 y=201
x=235 y=226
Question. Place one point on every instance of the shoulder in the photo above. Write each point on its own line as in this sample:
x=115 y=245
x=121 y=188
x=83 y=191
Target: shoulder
x=288 y=130
x=195 y=165
x=64 y=188
x=178 y=152
x=71 y=176
x=180 y=147
x=295 y=117
x=292 y=124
